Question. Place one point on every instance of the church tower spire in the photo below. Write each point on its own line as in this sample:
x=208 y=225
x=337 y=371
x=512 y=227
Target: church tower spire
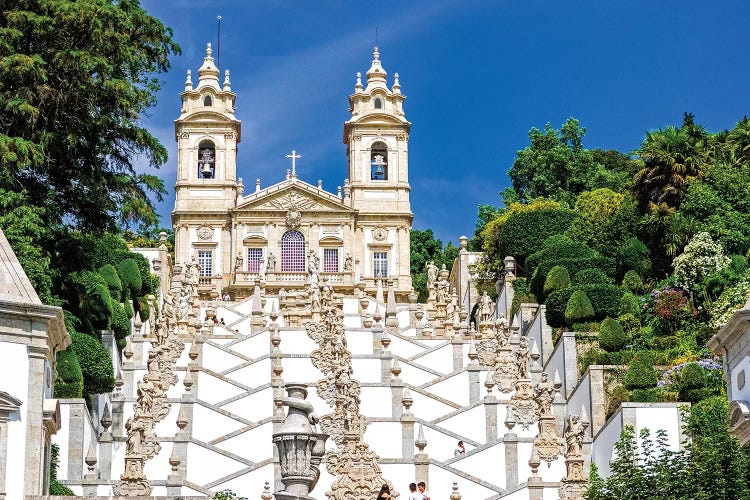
x=377 y=139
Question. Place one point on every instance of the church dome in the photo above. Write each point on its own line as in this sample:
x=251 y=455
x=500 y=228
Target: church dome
x=208 y=74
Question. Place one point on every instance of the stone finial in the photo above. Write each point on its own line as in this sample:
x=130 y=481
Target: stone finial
x=396 y=368
x=463 y=242
x=534 y=461
x=320 y=184
x=174 y=459
x=385 y=340
x=379 y=291
x=119 y=382
x=91 y=461
x=106 y=419
x=137 y=322
x=266 y=495
x=407 y=400
x=378 y=316
x=193 y=353
x=473 y=355
x=535 y=366
x=396 y=84
x=338 y=192
x=227 y=83
x=189 y=80
x=421 y=442
x=188 y=381
x=510 y=420
x=358 y=85
x=182 y=418
x=489 y=382
x=128 y=351
x=455 y=495
x=584 y=417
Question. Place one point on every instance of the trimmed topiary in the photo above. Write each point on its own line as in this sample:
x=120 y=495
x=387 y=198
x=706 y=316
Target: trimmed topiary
x=629 y=304
x=557 y=278
x=96 y=363
x=650 y=395
x=640 y=373
x=120 y=322
x=593 y=356
x=94 y=299
x=633 y=282
x=579 y=308
x=112 y=279
x=615 y=398
x=611 y=335
x=629 y=322
x=692 y=383
x=130 y=276
x=591 y=276
x=69 y=383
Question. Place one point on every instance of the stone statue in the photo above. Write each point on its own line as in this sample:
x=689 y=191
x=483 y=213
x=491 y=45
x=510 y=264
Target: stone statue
x=313 y=262
x=314 y=296
x=574 y=430
x=522 y=357
x=135 y=430
x=348 y=262
x=238 y=262
x=271 y=266
x=544 y=395
x=304 y=406
x=169 y=309
x=486 y=308
x=432 y=274
x=326 y=294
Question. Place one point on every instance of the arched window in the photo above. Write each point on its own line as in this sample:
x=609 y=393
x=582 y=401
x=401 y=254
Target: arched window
x=292 y=252
x=379 y=162
x=206 y=160
x=378 y=103
x=207 y=101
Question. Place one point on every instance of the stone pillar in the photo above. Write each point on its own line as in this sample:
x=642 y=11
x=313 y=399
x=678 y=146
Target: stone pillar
x=90 y=479
x=458 y=353
x=407 y=427
x=490 y=413
x=8 y=405
x=386 y=360
x=397 y=390
x=534 y=483
x=510 y=441
x=421 y=460
x=105 y=446
x=34 y=461
x=473 y=369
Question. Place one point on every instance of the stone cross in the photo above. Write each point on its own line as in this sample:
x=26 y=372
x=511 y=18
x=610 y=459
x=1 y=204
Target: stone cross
x=294 y=156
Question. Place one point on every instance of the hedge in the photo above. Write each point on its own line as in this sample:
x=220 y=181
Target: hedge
x=633 y=282
x=640 y=373
x=556 y=279
x=573 y=265
x=130 y=275
x=591 y=276
x=109 y=273
x=579 y=308
x=559 y=247
x=611 y=335
x=96 y=363
x=106 y=248
x=69 y=383
x=629 y=304
x=120 y=322
x=604 y=298
x=634 y=255
x=95 y=299
x=523 y=233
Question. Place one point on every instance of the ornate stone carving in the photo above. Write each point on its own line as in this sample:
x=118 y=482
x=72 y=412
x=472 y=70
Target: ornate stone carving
x=355 y=466
x=575 y=482
x=151 y=405
x=380 y=233
x=547 y=444
x=205 y=232
x=293 y=218
x=506 y=371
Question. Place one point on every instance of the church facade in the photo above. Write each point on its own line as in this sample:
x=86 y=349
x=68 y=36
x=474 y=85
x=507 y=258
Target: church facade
x=281 y=234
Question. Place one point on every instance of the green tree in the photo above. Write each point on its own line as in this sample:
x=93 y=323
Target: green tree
x=76 y=78
x=579 y=308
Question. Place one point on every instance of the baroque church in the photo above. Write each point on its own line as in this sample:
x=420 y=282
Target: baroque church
x=324 y=379
x=279 y=232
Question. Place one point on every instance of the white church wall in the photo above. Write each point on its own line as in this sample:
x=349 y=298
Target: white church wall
x=61 y=439
x=453 y=388
x=414 y=374
x=375 y=402
x=488 y=464
x=404 y=347
x=740 y=373
x=300 y=370
x=384 y=438
x=367 y=370
x=556 y=364
x=214 y=390
x=254 y=444
x=359 y=342
x=253 y=407
x=14 y=361
x=206 y=466
x=581 y=398
x=250 y=484
x=253 y=346
x=404 y=318
x=296 y=342
x=602 y=450
x=352 y=321
x=469 y=423
x=440 y=359
x=252 y=375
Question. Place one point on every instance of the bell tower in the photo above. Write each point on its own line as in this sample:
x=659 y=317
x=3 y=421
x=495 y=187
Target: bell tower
x=207 y=134
x=377 y=140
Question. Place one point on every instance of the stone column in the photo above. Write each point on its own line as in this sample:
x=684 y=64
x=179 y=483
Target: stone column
x=510 y=441
x=473 y=369
x=407 y=427
x=8 y=405
x=490 y=411
x=458 y=353
x=421 y=460
x=105 y=446
x=34 y=461
x=397 y=390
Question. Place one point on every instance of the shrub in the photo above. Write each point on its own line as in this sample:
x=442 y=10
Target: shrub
x=591 y=277
x=630 y=323
x=605 y=299
x=632 y=281
x=96 y=363
x=144 y=270
x=120 y=322
x=55 y=487
x=130 y=276
x=109 y=274
x=611 y=335
x=650 y=395
x=145 y=311
x=605 y=264
x=106 y=248
x=69 y=383
x=629 y=304
x=524 y=232
x=701 y=258
x=94 y=298
x=593 y=356
x=579 y=308
x=556 y=279
x=640 y=373
x=616 y=397
x=634 y=255
x=556 y=303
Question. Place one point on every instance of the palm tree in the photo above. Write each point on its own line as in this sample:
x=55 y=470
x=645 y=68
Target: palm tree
x=669 y=158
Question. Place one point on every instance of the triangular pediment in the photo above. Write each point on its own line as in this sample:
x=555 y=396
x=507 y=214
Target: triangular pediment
x=14 y=284
x=292 y=194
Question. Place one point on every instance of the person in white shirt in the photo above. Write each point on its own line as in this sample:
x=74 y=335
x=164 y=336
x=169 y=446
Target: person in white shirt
x=413 y=495
x=460 y=449
x=422 y=489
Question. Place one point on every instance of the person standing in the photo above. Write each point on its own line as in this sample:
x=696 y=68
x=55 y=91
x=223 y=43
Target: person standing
x=413 y=495
x=460 y=449
x=385 y=493
x=423 y=490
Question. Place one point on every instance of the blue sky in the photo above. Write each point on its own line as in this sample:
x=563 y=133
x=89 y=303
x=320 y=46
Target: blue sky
x=477 y=76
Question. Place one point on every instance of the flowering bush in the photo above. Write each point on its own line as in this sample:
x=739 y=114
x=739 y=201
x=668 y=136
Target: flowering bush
x=668 y=304
x=701 y=257
x=711 y=366
x=731 y=299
